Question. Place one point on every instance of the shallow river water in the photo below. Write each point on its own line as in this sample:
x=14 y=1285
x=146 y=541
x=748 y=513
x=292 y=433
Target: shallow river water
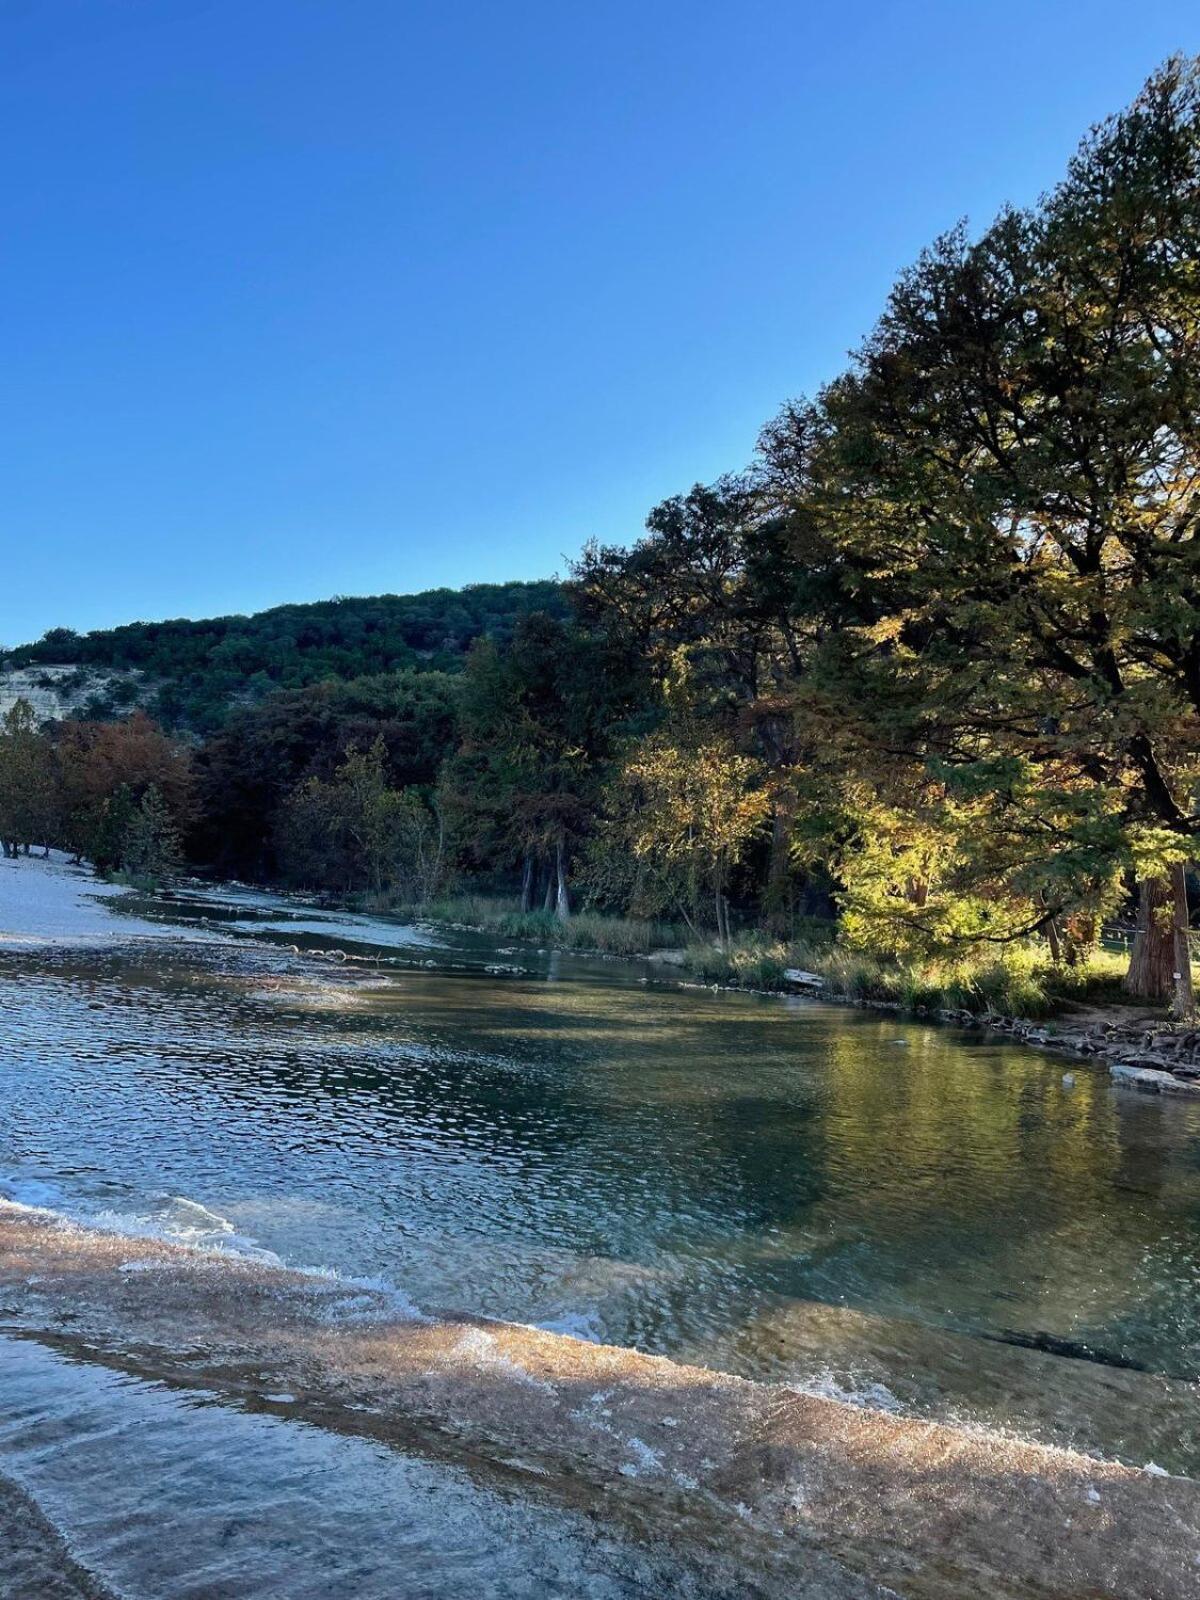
x=911 y=1216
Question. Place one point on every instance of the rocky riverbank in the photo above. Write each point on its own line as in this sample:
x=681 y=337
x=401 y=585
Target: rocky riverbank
x=1160 y=1057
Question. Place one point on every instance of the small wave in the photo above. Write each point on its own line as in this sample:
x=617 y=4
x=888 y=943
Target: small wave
x=368 y=1299
x=181 y=1221
x=194 y=1226
x=866 y=1395
x=170 y=1224
x=583 y=1325
x=31 y=1194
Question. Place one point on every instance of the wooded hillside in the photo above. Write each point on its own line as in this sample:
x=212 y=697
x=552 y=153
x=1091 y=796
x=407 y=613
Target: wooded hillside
x=194 y=672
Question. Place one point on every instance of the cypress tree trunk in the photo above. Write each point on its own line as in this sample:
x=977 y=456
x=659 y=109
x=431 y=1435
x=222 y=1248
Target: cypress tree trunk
x=1152 y=960
x=562 y=907
x=722 y=909
x=548 y=902
x=527 y=883
x=1183 y=999
x=776 y=896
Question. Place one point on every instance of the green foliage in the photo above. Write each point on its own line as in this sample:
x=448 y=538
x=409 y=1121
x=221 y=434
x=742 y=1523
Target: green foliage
x=354 y=831
x=955 y=613
x=540 y=725
x=27 y=781
x=250 y=768
x=149 y=847
x=684 y=811
x=100 y=834
x=1006 y=486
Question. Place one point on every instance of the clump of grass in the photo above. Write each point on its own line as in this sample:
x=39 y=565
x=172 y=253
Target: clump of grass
x=1019 y=981
x=473 y=910
x=587 y=930
x=503 y=918
x=753 y=961
x=1100 y=982
x=1012 y=984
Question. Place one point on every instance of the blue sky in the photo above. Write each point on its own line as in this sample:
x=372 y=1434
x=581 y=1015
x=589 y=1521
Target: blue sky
x=313 y=297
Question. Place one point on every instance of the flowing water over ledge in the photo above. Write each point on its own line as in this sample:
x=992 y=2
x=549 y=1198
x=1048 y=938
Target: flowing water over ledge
x=258 y=1505
x=694 y=1483
x=923 y=1221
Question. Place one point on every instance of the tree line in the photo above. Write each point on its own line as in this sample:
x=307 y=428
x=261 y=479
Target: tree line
x=930 y=662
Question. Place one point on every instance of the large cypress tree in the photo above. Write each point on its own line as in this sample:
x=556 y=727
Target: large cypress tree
x=1011 y=472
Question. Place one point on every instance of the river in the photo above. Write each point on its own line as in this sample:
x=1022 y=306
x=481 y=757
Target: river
x=930 y=1222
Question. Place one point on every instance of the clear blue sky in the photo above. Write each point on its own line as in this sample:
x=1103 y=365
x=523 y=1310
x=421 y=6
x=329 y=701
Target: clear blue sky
x=313 y=297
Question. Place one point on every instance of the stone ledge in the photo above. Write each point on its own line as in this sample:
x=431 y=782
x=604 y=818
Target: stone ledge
x=1152 y=1079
